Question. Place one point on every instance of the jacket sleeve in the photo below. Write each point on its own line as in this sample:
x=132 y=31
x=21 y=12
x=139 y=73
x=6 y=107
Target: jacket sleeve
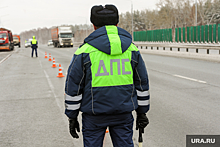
x=74 y=86
x=141 y=83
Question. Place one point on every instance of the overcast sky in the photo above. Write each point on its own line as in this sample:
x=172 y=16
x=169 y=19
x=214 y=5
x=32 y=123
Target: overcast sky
x=21 y=15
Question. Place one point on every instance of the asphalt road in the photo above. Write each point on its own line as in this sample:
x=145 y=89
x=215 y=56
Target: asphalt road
x=185 y=97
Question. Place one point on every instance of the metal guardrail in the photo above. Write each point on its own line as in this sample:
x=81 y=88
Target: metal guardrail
x=187 y=46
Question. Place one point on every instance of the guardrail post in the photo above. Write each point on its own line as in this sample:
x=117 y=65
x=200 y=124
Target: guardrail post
x=146 y=47
x=164 y=49
x=187 y=50
x=197 y=51
x=207 y=51
x=178 y=49
x=170 y=48
x=141 y=47
x=151 y=47
x=157 y=48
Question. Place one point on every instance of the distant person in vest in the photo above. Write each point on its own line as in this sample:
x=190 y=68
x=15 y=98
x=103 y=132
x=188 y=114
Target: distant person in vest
x=107 y=80
x=34 y=46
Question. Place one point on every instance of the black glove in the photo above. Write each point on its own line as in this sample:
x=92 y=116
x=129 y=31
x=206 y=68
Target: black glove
x=73 y=126
x=142 y=121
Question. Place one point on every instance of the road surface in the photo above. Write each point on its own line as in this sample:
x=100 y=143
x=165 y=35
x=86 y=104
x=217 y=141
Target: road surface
x=185 y=97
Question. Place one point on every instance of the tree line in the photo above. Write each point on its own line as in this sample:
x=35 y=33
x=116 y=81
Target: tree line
x=173 y=14
x=168 y=14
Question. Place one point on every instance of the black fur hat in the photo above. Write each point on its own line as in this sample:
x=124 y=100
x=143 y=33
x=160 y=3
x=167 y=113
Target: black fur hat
x=101 y=16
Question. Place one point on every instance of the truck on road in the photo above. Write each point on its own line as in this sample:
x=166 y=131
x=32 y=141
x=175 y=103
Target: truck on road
x=16 y=40
x=6 y=39
x=62 y=36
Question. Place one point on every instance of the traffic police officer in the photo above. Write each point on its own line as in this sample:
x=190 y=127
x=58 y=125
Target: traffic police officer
x=34 y=46
x=107 y=80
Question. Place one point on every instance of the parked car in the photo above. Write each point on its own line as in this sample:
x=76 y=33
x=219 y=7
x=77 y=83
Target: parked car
x=50 y=42
x=27 y=44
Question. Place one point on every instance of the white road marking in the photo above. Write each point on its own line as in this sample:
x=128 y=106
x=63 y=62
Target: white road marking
x=56 y=98
x=40 y=64
x=52 y=88
x=5 y=58
x=191 y=79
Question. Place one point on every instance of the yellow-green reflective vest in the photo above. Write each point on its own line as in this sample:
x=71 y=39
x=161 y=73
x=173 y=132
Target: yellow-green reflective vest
x=34 y=41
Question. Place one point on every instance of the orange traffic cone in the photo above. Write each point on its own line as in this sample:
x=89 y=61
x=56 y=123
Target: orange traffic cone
x=50 y=57
x=106 y=131
x=60 y=74
x=45 y=55
x=54 y=64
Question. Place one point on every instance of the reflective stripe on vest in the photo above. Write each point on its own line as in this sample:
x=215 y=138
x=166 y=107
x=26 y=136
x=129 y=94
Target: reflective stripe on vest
x=114 y=39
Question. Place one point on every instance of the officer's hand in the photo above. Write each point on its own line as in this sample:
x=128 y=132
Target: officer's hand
x=142 y=121
x=73 y=126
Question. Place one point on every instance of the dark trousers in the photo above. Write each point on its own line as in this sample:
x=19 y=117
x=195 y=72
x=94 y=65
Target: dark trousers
x=120 y=129
x=34 y=49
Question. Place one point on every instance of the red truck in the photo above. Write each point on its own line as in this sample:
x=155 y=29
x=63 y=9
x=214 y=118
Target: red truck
x=6 y=39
